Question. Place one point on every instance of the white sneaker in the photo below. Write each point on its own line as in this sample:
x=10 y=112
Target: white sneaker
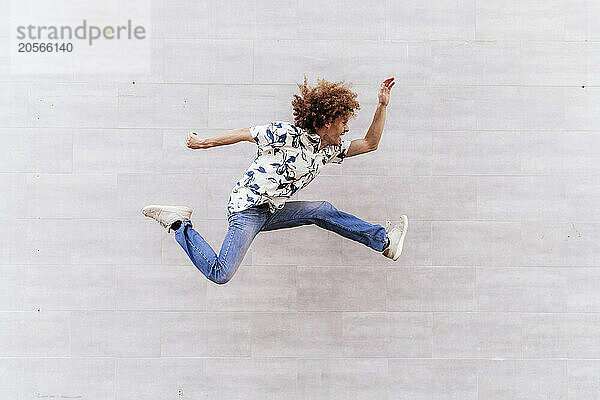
x=167 y=215
x=396 y=236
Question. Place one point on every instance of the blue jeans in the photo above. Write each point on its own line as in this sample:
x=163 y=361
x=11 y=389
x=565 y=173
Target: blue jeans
x=245 y=225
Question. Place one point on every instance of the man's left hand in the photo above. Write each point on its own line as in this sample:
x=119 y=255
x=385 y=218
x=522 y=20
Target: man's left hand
x=384 y=91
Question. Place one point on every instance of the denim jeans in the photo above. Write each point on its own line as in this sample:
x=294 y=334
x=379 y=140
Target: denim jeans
x=245 y=225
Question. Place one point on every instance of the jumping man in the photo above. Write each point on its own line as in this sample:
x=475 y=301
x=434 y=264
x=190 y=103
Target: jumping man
x=289 y=156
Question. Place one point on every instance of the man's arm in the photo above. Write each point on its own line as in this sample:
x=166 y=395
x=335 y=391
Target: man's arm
x=373 y=136
x=371 y=139
x=228 y=137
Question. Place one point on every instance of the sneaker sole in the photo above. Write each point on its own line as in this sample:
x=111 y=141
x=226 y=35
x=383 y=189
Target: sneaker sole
x=182 y=209
x=404 y=219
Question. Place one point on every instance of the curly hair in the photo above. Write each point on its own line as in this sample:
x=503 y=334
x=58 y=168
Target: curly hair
x=319 y=105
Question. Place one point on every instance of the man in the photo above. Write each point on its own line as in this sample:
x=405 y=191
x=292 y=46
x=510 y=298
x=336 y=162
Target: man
x=289 y=157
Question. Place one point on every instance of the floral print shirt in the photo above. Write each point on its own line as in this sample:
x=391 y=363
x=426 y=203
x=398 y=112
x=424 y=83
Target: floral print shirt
x=288 y=158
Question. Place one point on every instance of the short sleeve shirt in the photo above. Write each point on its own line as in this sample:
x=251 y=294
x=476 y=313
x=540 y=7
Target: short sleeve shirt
x=288 y=158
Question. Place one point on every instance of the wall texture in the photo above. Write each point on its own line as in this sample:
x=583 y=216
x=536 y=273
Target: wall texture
x=491 y=147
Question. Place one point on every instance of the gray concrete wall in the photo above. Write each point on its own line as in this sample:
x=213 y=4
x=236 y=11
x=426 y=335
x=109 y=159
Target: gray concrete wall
x=491 y=147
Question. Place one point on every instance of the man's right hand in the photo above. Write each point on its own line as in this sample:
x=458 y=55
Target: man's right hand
x=194 y=142
x=220 y=139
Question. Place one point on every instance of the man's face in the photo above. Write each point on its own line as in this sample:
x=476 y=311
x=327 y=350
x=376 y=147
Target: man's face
x=336 y=130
